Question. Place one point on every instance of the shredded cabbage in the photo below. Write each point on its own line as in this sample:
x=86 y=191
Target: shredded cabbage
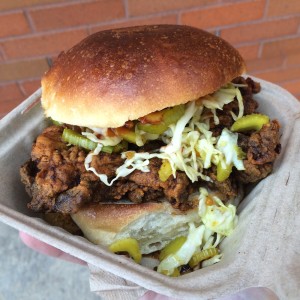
x=106 y=141
x=215 y=222
x=241 y=105
x=227 y=145
x=218 y=99
x=89 y=158
x=175 y=143
x=134 y=161
x=217 y=217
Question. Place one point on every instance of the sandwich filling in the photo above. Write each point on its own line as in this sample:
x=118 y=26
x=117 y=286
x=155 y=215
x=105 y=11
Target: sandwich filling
x=189 y=144
x=218 y=140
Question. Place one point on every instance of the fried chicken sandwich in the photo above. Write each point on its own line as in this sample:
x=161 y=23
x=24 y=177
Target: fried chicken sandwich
x=155 y=133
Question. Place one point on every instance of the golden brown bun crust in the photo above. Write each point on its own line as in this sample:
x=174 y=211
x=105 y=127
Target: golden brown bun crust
x=123 y=74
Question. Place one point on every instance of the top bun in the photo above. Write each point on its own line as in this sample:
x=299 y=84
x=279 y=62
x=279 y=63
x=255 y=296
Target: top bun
x=122 y=74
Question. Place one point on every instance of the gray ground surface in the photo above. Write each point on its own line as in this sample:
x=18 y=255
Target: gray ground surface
x=26 y=274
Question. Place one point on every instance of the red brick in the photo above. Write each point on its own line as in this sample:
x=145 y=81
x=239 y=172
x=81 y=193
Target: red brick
x=249 y=52
x=292 y=86
x=146 y=7
x=280 y=75
x=13 y=4
x=42 y=44
x=30 y=86
x=283 y=7
x=167 y=19
x=77 y=14
x=293 y=59
x=225 y=14
x=10 y=97
x=281 y=47
x=9 y=91
x=13 y=24
x=261 y=30
x=262 y=64
x=10 y=71
x=1 y=56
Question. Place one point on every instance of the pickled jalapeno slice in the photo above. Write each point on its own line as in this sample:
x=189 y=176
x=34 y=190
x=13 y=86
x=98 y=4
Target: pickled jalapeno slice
x=203 y=255
x=72 y=137
x=223 y=174
x=172 y=247
x=250 y=122
x=129 y=245
x=165 y=170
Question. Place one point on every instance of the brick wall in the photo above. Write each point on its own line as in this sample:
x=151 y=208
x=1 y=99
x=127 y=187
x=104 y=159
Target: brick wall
x=266 y=32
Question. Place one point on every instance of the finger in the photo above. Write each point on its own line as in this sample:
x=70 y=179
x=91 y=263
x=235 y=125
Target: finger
x=46 y=249
x=150 y=295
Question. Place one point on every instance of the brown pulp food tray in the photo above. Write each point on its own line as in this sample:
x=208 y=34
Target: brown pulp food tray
x=262 y=251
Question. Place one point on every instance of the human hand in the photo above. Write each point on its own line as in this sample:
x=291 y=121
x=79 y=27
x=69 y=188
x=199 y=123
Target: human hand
x=46 y=249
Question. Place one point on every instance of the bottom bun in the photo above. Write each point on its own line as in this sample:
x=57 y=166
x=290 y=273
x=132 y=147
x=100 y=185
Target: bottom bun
x=153 y=225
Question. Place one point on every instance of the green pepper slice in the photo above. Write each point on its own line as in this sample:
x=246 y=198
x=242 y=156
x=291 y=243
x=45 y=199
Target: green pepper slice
x=54 y=122
x=250 y=122
x=128 y=245
x=172 y=247
x=122 y=146
x=223 y=174
x=127 y=134
x=107 y=149
x=170 y=116
x=202 y=255
x=72 y=137
x=175 y=273
x=153 y=128
x=165 y=170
